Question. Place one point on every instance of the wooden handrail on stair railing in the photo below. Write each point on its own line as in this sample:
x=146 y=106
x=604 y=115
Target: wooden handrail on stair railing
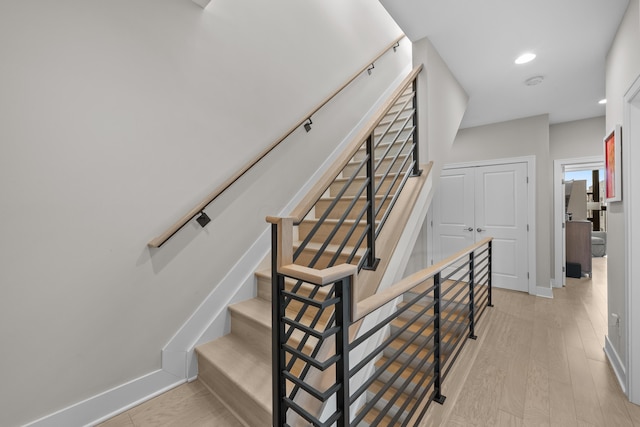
x=323 y=183
x=173 y=229
x=360 y=309
x=286 y=224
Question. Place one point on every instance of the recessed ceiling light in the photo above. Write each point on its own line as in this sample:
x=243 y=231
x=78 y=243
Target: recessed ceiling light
x=532 y=81
x=602 y=101
x=525 y=57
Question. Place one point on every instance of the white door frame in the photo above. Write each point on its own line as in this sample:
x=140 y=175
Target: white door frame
x=531 y=212
x=559 y=210
x=631 y=200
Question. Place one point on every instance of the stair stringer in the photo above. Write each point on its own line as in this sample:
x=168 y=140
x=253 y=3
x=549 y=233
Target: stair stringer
x=393 y=274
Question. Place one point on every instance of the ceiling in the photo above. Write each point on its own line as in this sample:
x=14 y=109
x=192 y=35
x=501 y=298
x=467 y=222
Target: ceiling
x=480 y=40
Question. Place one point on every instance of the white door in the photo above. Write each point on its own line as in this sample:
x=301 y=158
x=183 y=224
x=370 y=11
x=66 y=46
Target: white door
x=454 y=213
x=488 y=201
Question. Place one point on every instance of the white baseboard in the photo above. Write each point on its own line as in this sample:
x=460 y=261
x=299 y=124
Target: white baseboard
x=616 y=364
x=105 y=405
x=543 y=292
x=556 y=283
x=209 y=321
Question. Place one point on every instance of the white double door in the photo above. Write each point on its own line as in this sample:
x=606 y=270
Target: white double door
x=486 y=201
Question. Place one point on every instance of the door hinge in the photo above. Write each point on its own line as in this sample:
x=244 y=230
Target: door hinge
x=563 y=225
x=432 y=223
x=527 y=180
x=527 y=275
x=431 y=262
x=563 y=269
x=527 y=227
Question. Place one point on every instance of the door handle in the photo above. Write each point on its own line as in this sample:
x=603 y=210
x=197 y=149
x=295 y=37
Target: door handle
x=479 y=230
x=468 y=229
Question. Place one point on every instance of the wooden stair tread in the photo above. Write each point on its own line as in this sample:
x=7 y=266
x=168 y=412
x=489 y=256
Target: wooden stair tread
x=377 y=177
x=417 y=325
x=249 y=371
x=334 y=221
x=371 y=416
x=382 y=160
x=258 y=311
x=391 y=392
x=331 y=249
x=348 y=198
x=453 y=310
x=255 y=308
x=397 y=344
x=264 y=276
x=395 y=366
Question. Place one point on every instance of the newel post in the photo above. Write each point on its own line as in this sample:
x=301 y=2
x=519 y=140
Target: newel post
x=437 y=368
x=281 y=254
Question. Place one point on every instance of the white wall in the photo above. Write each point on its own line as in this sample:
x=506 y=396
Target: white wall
x=444 y=101
x=570 y=140
x=517 y=138
x=580 y=138
x=441 y=103
x=115 y=119
x=622 y=67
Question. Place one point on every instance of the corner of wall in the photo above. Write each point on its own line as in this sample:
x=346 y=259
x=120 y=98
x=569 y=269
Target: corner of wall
x=112 y=402
x=202 y=3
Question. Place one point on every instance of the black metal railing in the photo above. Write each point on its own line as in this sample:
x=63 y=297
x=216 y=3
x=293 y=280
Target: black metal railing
x=342 y=227
x=404 y=349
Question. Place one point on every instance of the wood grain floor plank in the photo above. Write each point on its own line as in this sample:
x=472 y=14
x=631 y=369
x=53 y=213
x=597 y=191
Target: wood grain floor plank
x=188 y=405
x=536 y=408
x=612 y=399
x=557 y=353
x=122 y=420
x=584 y=393
x=562 y=409
x=515 y=384
x=506 y=419
x=634 y=413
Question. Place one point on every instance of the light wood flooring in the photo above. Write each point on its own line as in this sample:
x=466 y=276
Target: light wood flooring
x=537 y=362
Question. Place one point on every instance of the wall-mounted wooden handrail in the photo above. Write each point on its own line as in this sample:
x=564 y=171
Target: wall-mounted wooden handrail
x=161 y=239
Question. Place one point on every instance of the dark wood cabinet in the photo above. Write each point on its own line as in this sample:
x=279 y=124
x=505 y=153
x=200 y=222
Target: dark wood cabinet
x=578 y=244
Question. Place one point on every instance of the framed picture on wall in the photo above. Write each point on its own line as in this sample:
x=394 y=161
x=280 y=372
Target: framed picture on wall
x=613 y=165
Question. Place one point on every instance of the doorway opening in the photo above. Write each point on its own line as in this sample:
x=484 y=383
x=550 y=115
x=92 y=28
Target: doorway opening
x=580 y=219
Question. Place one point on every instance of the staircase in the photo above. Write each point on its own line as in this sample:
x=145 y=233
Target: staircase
x=237 y=368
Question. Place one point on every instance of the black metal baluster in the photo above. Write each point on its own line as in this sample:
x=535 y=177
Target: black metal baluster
x=439 y=398
x=372 y=261
x=343 y=293
x=472 y=311
x=489 y=273
x=416 y=165
x=277 y=334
